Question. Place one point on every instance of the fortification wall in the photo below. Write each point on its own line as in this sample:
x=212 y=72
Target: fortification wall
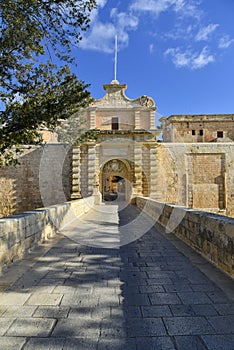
x=42 y=178
x=192 y=175
x=210 y=234
x=197 y=175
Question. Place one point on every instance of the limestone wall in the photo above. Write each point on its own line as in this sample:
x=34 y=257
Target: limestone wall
x=198 y=128
x=210 y=234
x=20 y=233
x=197 y=175
x=125 y=117
x=42 y=178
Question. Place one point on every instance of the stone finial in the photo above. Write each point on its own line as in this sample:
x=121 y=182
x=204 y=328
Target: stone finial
x=114 y=82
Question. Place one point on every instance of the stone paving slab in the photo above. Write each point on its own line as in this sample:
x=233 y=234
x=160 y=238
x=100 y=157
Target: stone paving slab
x=188 y=325
x=44 y=299
x=154 y=293
x=13 y=298
x=12 y=343
x=34 y=327
x=5 y=323
x=45 y=344
x=153 y=343
x=218 y=342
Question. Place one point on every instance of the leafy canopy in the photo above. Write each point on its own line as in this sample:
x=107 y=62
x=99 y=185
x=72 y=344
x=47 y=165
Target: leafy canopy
x=33 y=91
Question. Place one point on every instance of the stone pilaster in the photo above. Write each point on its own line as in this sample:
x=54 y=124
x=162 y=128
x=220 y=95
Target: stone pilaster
x=92 y=118
x=154 y=190
x=76 y=165
x=137 y=119
x=152 y=119
x=96 y=191
x=91 y=167
x=146 y=171
x=137 y=187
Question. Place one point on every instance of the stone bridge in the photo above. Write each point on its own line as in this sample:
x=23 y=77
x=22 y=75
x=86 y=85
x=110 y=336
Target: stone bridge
x=116 y=276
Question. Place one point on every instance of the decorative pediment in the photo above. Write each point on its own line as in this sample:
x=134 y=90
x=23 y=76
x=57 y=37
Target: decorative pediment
x=115 y=97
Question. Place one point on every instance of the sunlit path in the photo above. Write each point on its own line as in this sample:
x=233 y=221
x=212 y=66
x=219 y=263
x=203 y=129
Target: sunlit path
x=106 y=294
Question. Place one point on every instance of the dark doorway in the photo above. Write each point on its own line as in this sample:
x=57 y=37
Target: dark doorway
x=116 y=189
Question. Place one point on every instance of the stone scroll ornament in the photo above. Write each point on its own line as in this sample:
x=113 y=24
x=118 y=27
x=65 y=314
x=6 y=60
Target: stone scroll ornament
x=146 y=101
x=115 y=165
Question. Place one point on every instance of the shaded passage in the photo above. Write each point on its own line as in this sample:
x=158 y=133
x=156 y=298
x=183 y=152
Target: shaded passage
x=143 y=295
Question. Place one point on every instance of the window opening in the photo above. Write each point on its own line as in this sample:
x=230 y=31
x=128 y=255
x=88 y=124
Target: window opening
x=115 y=123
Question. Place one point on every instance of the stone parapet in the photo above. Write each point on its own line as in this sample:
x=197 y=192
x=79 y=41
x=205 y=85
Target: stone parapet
x=20 y=233
x=212 y=235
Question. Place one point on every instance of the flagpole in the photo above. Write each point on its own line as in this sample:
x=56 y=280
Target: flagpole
x=116 y=51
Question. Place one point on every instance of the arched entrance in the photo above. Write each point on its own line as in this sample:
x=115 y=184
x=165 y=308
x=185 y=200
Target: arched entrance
x=115 y=180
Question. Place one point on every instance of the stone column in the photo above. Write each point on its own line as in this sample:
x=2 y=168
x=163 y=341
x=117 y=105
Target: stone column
x=154 y=187
x=137 y=119
x=76 y=164
x=137 y=187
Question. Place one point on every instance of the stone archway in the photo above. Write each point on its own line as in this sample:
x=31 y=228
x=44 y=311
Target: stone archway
x=115 y=180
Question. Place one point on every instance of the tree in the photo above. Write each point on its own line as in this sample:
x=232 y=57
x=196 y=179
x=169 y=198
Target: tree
x=34 y=92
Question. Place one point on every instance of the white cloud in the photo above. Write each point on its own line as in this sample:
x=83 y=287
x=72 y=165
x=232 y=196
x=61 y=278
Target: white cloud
x=202 y=59
x=94 y=13
x=101 y=36
x=191 y=9
x=205 y=32
x=156 y=7
x=225 y=42
x=152 y=6
x=190 y=59
x=180 y=31
x=124 y=20
x=151 y=48
x=101 y=3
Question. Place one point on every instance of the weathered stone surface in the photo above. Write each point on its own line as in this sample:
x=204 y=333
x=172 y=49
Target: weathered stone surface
x=13 y=343
x=212 y=235
x=13 y=298
x=187 y=325
x=218 y=342
x=19 y=233
x=44 y=299
x=44 y=344
x=34 y=327
x=85 y=321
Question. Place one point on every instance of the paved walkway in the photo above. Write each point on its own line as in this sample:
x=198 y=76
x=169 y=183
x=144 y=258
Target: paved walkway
x=153 y=293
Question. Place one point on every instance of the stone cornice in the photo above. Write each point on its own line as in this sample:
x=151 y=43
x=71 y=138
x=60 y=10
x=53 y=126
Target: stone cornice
x=180 y=118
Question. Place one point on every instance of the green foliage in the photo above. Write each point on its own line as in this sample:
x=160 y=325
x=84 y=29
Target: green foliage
x=35 y=94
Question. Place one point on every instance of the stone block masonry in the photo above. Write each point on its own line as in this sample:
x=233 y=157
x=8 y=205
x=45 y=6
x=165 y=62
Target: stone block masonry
x=20 y=233
x=198 y=176
x=42 y=178
x=212 y=235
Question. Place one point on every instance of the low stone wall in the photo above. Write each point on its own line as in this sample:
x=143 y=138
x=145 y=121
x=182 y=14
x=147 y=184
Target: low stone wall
x=20 y=233
x=212 y=235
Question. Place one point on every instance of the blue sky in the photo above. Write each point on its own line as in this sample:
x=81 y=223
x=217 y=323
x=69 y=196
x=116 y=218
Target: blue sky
x=180 y=52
